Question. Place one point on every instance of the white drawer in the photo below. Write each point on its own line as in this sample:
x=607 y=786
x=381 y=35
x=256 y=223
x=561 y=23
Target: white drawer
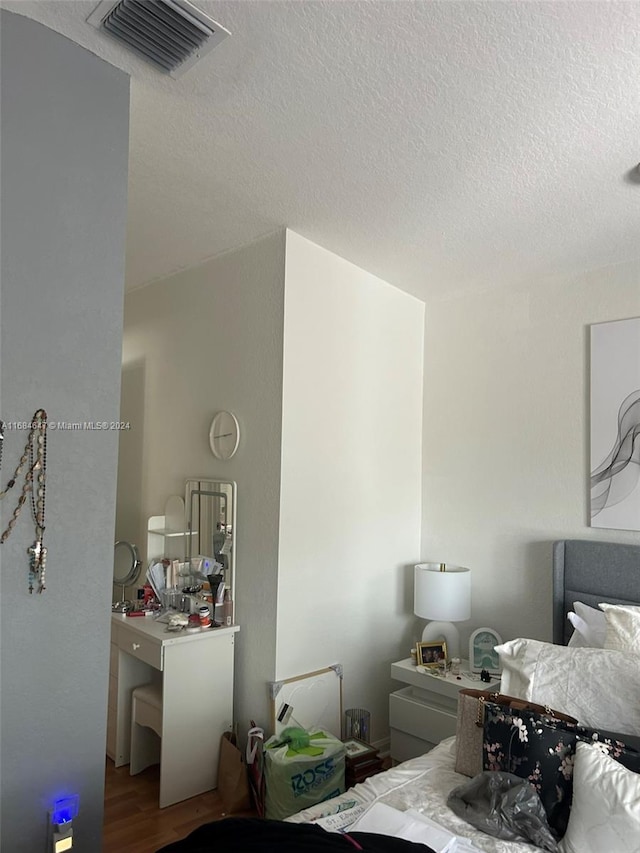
x=416 y=717
x=143 y=648
x=404 y=746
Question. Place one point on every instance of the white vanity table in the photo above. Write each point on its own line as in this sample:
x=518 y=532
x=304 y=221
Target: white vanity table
x=195 y=671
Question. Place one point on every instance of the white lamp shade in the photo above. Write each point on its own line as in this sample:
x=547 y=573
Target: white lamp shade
x=442 y=595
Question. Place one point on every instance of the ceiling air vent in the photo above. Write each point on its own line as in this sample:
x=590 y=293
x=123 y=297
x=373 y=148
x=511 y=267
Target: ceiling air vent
x=172 y=34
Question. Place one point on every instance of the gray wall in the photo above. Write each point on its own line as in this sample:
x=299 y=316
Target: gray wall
x=64 y=178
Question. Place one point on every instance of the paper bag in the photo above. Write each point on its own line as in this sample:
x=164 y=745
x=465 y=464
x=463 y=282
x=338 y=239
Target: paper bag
x=233 y=782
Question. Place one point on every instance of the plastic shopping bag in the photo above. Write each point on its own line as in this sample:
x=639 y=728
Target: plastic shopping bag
x=300 y=773
x=255 y=765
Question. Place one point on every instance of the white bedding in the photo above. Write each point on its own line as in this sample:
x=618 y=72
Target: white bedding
x=421 y=783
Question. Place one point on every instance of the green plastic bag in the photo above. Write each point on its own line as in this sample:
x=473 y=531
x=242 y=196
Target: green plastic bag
x=302 y=771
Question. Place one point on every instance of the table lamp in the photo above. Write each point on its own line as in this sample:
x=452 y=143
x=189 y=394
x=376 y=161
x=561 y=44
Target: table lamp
x=442 y=593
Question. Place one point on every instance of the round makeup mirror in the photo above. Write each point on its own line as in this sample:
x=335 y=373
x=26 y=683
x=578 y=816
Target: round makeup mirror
x=126 y=568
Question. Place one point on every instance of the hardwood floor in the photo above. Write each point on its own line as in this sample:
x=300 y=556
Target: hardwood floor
x=133 y=823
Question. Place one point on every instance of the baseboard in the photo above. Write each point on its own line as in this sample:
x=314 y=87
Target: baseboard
x=383 y=746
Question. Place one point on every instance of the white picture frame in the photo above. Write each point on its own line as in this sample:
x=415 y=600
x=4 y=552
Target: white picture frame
x=482 y=653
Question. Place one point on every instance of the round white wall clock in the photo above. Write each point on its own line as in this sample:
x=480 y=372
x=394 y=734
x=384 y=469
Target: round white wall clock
x=224 y=435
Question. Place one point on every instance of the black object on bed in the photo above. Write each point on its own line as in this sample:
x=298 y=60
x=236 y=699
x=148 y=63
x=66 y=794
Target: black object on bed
x=257 y=835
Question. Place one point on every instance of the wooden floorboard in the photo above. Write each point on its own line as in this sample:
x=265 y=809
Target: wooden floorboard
x=133 y=823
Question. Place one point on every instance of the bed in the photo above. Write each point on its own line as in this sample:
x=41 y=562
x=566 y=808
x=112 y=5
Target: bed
x=583 y=571
x=581 y=678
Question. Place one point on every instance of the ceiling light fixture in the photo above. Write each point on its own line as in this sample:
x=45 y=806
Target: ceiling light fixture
x=171 y=34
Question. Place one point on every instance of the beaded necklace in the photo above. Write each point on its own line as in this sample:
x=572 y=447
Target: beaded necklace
x=35 y=453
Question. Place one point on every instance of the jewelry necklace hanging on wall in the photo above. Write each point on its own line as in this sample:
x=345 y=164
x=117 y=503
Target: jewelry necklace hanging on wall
x=35 y=481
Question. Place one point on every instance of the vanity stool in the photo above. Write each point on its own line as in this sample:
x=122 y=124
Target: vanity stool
x=146 y=727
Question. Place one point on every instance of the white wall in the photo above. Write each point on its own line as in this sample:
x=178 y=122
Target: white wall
x=65 y=144
x=506 y=435
x=346 y=504
x=351 y=473
x=210 y=338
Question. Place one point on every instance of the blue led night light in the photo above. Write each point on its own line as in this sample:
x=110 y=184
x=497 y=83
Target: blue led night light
x=65 y=810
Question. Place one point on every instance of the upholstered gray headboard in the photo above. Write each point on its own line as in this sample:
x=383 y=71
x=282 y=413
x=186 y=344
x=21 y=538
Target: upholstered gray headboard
x=592 y=572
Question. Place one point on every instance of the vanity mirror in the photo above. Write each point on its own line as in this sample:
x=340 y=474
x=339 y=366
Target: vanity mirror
x=210 y=508
x=126 y=568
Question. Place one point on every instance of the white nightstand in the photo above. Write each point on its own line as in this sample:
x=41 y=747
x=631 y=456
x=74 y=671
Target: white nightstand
x=425 y=712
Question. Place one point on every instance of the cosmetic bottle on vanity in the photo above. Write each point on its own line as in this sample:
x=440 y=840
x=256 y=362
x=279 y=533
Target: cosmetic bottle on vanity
x=227 y=608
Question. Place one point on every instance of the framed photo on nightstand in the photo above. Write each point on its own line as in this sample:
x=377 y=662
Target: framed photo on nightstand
x=482 y=653
x=431 y=655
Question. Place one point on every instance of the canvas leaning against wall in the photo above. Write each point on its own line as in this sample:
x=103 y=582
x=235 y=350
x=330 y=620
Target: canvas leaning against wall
x=615 y=425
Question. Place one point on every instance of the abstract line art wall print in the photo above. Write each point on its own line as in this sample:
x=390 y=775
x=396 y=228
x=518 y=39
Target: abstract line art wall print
x=615 y=425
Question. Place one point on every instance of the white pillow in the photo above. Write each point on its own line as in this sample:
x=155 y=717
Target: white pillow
x=600 y=687
x=590 y=626
x=605 y=811
x=623 y=627
x=580 y=629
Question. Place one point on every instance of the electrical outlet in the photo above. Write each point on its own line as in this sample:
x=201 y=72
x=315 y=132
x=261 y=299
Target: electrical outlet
x=62 y=838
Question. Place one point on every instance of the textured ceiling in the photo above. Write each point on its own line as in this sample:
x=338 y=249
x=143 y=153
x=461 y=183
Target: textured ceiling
x=440 y=145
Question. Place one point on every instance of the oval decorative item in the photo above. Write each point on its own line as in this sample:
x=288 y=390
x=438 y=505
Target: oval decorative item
x=482 y=653
x=224 y=435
